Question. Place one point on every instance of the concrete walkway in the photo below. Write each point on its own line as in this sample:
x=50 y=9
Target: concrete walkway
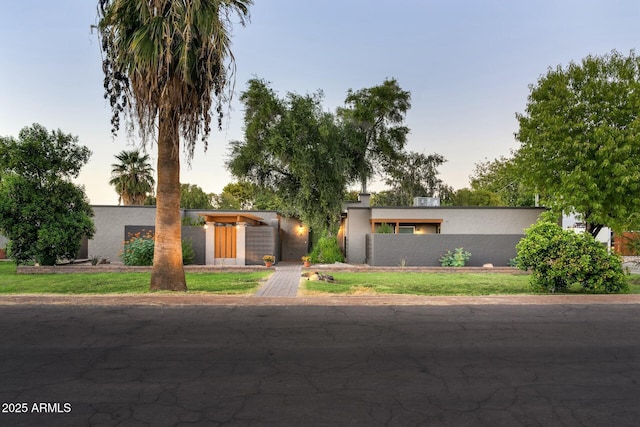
x=283 y=283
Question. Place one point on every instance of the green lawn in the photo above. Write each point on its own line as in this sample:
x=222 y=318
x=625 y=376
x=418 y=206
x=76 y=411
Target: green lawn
x=412 y=283
x=634 y=284
x=434 y=284
x=415 y=283
x=105 y=283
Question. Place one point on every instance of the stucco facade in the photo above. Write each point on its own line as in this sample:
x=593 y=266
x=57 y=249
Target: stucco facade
x=421 y=235
x=285 y=238
x=110 y=221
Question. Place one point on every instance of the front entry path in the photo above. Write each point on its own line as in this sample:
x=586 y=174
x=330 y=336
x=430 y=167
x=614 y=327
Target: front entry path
x=283 y=283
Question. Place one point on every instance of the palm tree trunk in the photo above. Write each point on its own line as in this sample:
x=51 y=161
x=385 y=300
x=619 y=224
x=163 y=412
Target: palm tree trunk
x=168 y=272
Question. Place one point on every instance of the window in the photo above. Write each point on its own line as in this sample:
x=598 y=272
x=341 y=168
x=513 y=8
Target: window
x=406 y=229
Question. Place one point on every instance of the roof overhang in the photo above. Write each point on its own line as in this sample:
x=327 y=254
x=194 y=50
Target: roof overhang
x=399 y=221
x=231 y=218
x=406 y=220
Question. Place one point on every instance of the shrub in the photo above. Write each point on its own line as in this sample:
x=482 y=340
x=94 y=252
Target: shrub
x=458 y=258
x=385 y=228
x=188 y=255
x=193 y=222
x=559 y=259
x=138 y=250
x=326 y=251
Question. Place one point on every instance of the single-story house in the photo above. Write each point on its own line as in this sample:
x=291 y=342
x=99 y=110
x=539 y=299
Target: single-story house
x=225 y=238
x=422 y=234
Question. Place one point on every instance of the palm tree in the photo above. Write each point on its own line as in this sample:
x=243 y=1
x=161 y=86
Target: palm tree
x=133 y=177
x=164 y=62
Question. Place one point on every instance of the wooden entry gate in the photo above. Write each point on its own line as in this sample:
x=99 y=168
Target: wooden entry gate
x=225 y=241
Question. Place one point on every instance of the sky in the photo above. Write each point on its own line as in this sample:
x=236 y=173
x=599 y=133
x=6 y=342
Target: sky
x=468 y=65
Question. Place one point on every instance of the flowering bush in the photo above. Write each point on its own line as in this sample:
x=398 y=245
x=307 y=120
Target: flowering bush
x=138 y=250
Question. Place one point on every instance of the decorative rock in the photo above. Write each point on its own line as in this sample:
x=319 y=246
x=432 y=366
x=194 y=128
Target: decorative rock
x=488 y=265
x=315 y=276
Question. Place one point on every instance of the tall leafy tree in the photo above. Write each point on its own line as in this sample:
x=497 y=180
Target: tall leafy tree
x=580 y=139
x=166 y=64
x=473 y=197
x=132 y=177
x=502 y=177
x=194 y=197
x=414 y=175
x=294 y=149
x=244 y=195
x=42 y=212
x=374 y=127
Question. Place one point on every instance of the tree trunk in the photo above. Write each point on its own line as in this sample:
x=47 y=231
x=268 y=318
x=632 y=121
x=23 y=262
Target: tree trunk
x=168 y=271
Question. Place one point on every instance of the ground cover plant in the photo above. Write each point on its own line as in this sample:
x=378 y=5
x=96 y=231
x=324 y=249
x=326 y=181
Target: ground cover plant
x=457 y=258
x=110 y=282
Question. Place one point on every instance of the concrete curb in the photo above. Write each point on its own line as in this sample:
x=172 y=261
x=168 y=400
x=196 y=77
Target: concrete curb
x=189 y=299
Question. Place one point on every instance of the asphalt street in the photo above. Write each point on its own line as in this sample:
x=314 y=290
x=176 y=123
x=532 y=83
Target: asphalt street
x=301 y=365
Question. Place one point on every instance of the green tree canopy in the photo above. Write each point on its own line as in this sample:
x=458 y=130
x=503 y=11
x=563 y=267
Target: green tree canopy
x=580 y=139
x=412 y=175
x=373 y=120
x=194 y=197
x=42 y=212
x=244 y=195
x=132 y=177
x=502 y=178
x=294 y=149
x=472 y=197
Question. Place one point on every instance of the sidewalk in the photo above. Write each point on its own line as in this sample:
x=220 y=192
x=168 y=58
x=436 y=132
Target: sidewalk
x=283 y=283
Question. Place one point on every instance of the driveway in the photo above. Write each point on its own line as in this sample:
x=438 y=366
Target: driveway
x=94 y=361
